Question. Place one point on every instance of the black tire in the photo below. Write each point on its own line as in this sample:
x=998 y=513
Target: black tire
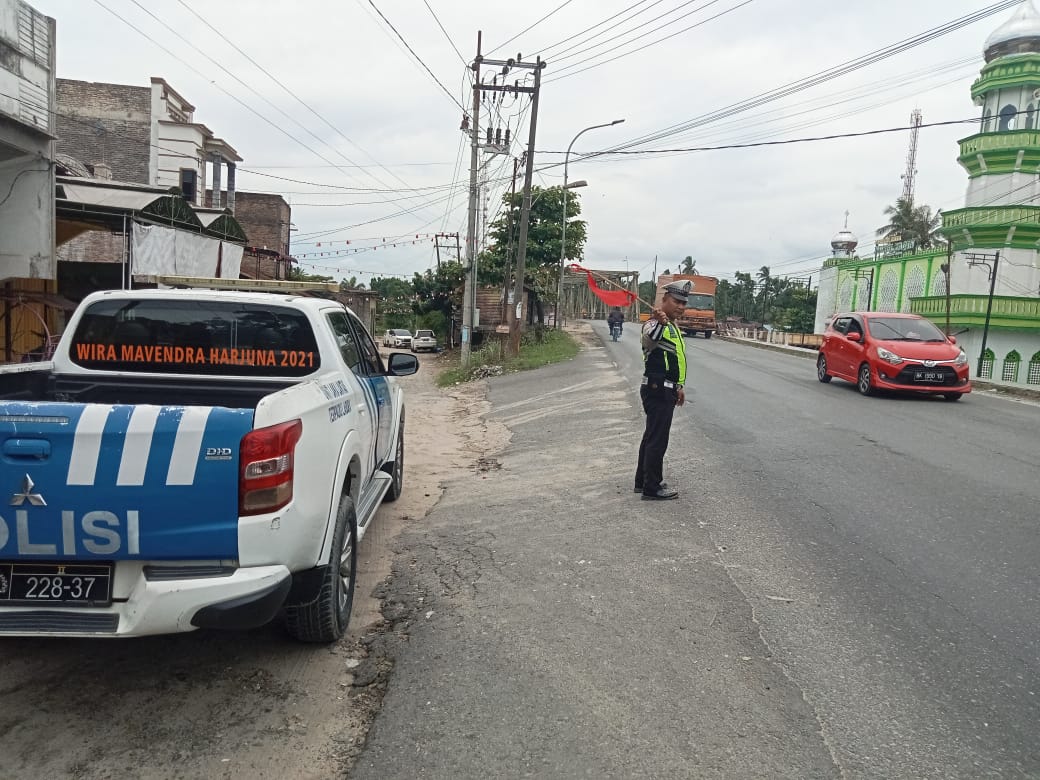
x=821 y=370
x=953 y=396
x=325 y=619
x=707 y=334
x=396 y=469
x=864 y=383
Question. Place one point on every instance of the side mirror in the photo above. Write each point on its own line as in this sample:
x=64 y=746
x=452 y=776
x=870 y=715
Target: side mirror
x=401 y=364
x=952 y=339
x=857 y=337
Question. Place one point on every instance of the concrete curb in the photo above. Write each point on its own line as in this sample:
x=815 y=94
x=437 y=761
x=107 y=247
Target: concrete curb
x=999 y=388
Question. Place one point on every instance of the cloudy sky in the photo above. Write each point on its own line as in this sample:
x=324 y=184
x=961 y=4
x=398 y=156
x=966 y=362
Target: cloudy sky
x=337 y=114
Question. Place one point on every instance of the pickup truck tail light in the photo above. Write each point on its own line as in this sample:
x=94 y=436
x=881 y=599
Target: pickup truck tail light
x=265 y=481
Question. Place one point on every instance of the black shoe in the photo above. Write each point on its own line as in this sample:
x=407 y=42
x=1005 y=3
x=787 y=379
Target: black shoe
x=639 y=488
x=662 y=494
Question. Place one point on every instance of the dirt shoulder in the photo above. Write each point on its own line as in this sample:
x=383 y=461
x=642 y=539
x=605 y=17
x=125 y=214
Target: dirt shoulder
x=237 y=705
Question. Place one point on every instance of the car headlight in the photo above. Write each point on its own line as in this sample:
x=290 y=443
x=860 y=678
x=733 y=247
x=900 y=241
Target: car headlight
x=962 y=359
x=889 y=357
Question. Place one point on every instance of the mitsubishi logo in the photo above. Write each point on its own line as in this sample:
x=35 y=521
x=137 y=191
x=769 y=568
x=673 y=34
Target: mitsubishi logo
x=27 y=493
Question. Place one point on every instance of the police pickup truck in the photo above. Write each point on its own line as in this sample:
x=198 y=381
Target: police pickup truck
x=195 y=459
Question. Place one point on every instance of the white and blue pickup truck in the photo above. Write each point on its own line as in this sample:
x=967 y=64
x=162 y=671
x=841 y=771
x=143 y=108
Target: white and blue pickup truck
x=195 y=459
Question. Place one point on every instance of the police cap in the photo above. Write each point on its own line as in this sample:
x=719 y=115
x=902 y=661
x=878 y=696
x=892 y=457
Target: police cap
x=679 y=290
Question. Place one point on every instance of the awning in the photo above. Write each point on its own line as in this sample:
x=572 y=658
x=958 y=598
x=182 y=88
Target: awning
x=93 y=204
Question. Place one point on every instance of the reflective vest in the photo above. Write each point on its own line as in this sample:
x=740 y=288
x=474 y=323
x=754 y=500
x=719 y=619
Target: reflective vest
x=667 y=357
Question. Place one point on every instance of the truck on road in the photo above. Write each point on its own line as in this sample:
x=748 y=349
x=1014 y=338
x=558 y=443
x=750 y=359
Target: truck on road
x=195 y=459
x=699 y=315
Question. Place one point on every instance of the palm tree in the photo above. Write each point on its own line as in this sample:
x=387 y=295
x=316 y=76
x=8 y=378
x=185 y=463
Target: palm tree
x=907 y=222
x=689 y=265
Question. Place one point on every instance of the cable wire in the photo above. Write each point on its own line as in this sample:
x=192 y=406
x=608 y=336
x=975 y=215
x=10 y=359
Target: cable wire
x=417 y=57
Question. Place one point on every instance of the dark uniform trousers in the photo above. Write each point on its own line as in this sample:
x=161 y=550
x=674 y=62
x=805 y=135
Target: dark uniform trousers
x=659 y=406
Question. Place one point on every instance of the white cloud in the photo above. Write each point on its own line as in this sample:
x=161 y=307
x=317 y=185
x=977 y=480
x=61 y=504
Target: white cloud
x=732 y=210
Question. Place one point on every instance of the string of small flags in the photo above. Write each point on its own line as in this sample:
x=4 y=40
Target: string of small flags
x=360 y=249
x=352 y=271
x=382 y=240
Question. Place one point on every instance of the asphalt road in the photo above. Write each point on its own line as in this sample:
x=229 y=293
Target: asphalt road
x=847 y=587
x=904 y=529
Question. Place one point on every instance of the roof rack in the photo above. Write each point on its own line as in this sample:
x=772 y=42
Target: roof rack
x=243 y=285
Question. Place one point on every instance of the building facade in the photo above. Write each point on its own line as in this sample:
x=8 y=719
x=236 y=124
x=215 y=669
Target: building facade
x=144 y=135
x=984 y=285
x=27 y=131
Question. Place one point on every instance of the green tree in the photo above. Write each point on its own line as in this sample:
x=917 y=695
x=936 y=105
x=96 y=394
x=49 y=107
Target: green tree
x=544 y=233
x=394 y=307
x=297 y=274
x=907 y=222
x=439 y=290
x=689 y=265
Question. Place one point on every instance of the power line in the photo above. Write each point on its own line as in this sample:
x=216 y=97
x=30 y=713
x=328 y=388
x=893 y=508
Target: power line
x=226 y=92
x=819 y=77
x=652 y=43
x=417 y=57
x=562 y=56
x=456 y=48
x=571 y=39
x=754 y=144
x=292 y=94
x=531 y=27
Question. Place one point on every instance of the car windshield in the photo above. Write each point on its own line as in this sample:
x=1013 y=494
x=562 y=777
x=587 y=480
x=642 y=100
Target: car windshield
x=402 y=333
x=424 y=334
x=904 y=329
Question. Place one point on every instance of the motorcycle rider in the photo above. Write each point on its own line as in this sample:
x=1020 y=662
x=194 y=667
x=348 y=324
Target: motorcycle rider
x=615 y=317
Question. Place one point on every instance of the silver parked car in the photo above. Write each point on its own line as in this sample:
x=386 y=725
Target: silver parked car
x=424 y=340
x=397 y=337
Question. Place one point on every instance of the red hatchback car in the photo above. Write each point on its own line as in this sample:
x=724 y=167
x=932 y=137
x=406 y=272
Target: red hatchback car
x=888 y=351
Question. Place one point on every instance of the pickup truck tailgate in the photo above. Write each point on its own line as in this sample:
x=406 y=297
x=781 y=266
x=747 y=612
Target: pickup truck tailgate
x=113 y=482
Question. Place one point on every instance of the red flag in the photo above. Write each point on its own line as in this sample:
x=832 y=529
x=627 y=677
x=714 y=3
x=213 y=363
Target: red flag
x=609 y=297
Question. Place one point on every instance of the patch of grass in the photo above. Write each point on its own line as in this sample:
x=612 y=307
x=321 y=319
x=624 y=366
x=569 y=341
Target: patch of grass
x=537 y=348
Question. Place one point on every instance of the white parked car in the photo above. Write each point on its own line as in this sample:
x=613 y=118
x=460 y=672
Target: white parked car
x=424 y=340
x=397 y=337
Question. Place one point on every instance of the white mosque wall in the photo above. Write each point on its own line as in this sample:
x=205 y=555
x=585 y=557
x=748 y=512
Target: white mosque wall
x=1003 y=189
x=1018 y=274
x=826 y=298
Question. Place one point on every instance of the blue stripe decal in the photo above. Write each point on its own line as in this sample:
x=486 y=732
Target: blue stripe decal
x=102 y=520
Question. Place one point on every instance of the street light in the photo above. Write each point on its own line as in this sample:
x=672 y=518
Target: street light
x=563 y=238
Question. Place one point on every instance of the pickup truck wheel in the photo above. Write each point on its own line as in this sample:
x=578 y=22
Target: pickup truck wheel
x=397 y=470
x=325 y=619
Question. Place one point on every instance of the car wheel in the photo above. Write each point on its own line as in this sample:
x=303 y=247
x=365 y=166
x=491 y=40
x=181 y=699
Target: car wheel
x=326 y=618
x=953 y=396
x=821 y=369
x=864 y=383
x=396 y=469
x=707 y=334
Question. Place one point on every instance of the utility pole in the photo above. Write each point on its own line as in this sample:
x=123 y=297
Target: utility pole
x=469 y=290
x=517 y=312
x=945 y=268
x=981 y=258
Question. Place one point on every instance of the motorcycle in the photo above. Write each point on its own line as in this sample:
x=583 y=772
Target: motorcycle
x=615 y=331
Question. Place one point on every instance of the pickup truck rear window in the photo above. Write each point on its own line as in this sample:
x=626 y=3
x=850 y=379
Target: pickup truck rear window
x=195 y=337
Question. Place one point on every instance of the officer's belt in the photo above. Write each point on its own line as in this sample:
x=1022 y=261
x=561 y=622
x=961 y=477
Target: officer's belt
x=664 y=383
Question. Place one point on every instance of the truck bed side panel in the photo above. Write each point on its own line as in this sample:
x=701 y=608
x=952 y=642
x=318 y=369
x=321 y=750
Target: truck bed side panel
x=115 y=482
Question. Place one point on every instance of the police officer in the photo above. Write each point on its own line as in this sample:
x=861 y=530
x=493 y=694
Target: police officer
x=664 y=375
